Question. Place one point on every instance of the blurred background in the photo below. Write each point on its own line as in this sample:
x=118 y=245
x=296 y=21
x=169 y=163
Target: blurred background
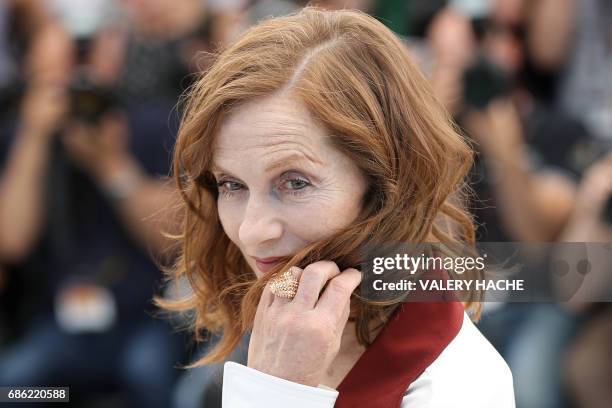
x=88 y=118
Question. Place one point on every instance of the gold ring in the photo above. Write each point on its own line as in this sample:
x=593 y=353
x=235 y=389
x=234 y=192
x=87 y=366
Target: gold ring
x=285 y=285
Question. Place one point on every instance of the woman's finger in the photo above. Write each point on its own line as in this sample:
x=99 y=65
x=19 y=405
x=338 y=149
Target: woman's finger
x=337 y=294
x=266 y=299
x=279 y=300
x=312 y=281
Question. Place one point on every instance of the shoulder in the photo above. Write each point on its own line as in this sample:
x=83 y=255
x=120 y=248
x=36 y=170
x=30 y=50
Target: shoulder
x=468 y=372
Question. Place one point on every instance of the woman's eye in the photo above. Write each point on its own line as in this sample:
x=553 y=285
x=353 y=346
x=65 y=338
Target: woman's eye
x=296 y=184
x=293 y=185
x=228 y=187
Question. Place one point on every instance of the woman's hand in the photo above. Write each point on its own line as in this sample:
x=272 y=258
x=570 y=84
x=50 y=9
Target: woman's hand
x=296 y=339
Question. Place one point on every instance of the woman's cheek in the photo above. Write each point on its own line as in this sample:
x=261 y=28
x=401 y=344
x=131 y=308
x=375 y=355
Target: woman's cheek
x=331 y=215
x=311 y=222
x=229 y=216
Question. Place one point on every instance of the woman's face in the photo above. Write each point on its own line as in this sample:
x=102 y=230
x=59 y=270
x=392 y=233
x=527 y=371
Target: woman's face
x=281 y=183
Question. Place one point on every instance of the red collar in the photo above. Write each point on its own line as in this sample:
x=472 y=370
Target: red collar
x=411 y=340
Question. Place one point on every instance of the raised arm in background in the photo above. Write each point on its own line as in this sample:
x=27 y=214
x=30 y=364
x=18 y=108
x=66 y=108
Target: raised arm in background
x=551 y=26
x=143 y=202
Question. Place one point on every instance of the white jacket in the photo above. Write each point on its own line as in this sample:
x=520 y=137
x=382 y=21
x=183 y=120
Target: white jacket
x=469 y=373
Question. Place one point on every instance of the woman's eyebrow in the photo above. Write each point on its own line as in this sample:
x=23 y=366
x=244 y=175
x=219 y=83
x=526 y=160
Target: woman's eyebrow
x=291 y=160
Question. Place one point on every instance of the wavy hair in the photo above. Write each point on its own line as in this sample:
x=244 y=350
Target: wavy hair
x=357 y=78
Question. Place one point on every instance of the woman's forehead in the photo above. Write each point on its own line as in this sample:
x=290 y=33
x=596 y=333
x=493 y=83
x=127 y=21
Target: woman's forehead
x=270 y=116
x=269 y=127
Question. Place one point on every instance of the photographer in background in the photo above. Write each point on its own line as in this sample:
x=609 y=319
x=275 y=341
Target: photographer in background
x=81 y=186
x=587 y=361
x=34 y=49
x=527 y=168
x=479 y=73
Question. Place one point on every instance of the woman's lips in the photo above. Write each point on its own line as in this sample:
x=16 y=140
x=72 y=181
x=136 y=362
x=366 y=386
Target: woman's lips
x=265 y=264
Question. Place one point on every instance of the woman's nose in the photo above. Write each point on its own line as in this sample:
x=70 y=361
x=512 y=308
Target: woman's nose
x=260 y=223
